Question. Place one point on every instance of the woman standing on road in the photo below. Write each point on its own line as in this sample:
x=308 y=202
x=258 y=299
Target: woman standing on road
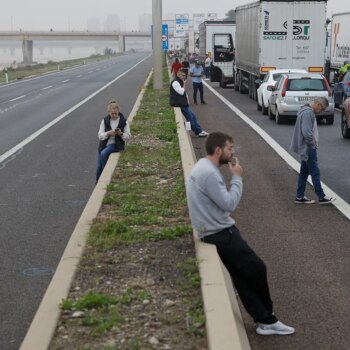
x=113 y=133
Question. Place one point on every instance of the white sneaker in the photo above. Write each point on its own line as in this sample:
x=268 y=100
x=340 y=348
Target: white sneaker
x=203 y=134
x=277 y=328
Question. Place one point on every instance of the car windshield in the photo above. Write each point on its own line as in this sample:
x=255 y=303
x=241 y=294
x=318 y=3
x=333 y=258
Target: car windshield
x=276 y=76
x=306 y=85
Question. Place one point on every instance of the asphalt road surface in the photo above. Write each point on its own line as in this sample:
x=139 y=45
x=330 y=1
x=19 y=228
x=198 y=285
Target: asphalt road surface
x=306 y=247
x=46 y=182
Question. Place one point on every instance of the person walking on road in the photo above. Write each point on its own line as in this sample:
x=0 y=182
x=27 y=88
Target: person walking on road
x=210 y=206
x=113 y=133
x=305 y=144
x=178 y=98
x=175 y=67
x=207 y=64
x=196 y=73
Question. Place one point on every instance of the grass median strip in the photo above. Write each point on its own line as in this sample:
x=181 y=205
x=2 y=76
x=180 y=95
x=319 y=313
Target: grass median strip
x=138 y=285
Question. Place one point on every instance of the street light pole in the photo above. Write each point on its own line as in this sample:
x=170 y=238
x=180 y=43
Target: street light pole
x=157 y=44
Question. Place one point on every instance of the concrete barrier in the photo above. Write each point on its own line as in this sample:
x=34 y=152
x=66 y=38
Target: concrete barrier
x=224 y=324
x=43 y=326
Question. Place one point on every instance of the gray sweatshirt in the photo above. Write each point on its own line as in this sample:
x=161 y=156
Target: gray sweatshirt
x=210 y=203
x=305 y=133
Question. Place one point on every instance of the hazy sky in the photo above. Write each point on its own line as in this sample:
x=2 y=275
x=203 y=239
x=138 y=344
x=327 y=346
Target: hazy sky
x=73 y=14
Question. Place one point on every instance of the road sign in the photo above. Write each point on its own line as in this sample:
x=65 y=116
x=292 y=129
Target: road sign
x=165 y=42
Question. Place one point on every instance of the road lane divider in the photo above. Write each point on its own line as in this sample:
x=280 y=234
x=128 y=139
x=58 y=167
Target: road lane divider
x=18 y=98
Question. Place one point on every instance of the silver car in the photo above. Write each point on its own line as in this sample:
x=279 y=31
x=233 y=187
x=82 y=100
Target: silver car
x=292 y=91
x=265 y=89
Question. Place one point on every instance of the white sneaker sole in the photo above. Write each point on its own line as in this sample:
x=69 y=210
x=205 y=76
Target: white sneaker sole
x=273 y=332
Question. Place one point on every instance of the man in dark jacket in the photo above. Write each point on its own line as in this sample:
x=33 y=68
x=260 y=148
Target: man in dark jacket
x=178 y=98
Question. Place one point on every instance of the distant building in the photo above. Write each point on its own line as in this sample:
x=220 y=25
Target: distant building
x=145 y=22
x=93 y=24
x=112 y=23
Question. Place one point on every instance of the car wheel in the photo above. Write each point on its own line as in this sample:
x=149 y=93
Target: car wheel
x=279 y=118
x=269 y=112
x=330 y=119
x=263 y=108
x=345 y=129
x=258 y=107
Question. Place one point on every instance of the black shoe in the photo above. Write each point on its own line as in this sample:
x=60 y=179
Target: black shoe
x=203 y=103
x=326 y=200
x=195 y=102
x=304 y=200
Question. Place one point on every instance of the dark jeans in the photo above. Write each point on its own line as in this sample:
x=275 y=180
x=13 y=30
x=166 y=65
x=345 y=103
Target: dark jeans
x=248 y=273
x=191 y=117
x=310 y=167
x=196 y=87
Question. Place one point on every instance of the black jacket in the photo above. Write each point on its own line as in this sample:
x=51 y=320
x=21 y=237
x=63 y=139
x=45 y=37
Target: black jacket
x=175 y=99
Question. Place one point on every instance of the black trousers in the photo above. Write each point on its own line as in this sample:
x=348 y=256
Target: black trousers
x=248 y=273
x=196 y=87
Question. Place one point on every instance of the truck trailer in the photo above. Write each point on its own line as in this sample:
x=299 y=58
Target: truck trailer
x=278 y=34
x=216 y=39
x=339 y=43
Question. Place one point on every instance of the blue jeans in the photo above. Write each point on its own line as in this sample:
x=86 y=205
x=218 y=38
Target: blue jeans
x=191 y=117
x=310 y=167
x=103 y=158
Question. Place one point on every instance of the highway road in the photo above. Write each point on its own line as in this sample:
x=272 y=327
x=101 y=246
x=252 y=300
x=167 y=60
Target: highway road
x=48 y=152
x=334 y=150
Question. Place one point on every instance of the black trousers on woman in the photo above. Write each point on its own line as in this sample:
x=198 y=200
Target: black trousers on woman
x=248 y=273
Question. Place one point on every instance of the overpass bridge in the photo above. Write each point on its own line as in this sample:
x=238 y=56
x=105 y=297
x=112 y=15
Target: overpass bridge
x=28 y=37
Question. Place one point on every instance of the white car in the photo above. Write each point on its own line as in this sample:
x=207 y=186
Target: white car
x=265 y=88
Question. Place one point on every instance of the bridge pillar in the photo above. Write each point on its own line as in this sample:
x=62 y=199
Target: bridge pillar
x=69 y=49
x=27 y=49
x=121 y=42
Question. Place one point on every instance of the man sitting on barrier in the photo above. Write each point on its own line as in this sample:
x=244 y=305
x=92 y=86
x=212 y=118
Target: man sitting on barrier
x=210 y=205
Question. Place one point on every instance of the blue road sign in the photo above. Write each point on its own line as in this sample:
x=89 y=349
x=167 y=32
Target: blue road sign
x=165 y=39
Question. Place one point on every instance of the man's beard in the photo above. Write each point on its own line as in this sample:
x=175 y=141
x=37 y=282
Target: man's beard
x=223 y=160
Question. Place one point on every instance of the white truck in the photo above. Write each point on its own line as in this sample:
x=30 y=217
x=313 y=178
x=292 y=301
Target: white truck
x=216 y=39
x=278 y=34
x=339 y=45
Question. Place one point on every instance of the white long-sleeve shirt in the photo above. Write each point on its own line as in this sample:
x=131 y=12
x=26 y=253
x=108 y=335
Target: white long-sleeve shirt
x=102 y=134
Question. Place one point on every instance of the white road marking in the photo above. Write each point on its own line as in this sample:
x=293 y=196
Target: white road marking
x=64 y=81
x=17 y=98
x=32 y=137
x=339 y=203
x=47 y=87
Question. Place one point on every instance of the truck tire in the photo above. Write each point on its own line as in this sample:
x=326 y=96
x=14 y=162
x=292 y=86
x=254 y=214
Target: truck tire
x=222 y=82
x=240 y=85
x=236 y=82
x=345 y=129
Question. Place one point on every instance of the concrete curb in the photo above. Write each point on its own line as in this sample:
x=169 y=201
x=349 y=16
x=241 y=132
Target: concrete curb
x=224 y=324
x=43 y=326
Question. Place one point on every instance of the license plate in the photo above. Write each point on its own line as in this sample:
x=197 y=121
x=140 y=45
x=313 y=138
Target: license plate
x=306 y=98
